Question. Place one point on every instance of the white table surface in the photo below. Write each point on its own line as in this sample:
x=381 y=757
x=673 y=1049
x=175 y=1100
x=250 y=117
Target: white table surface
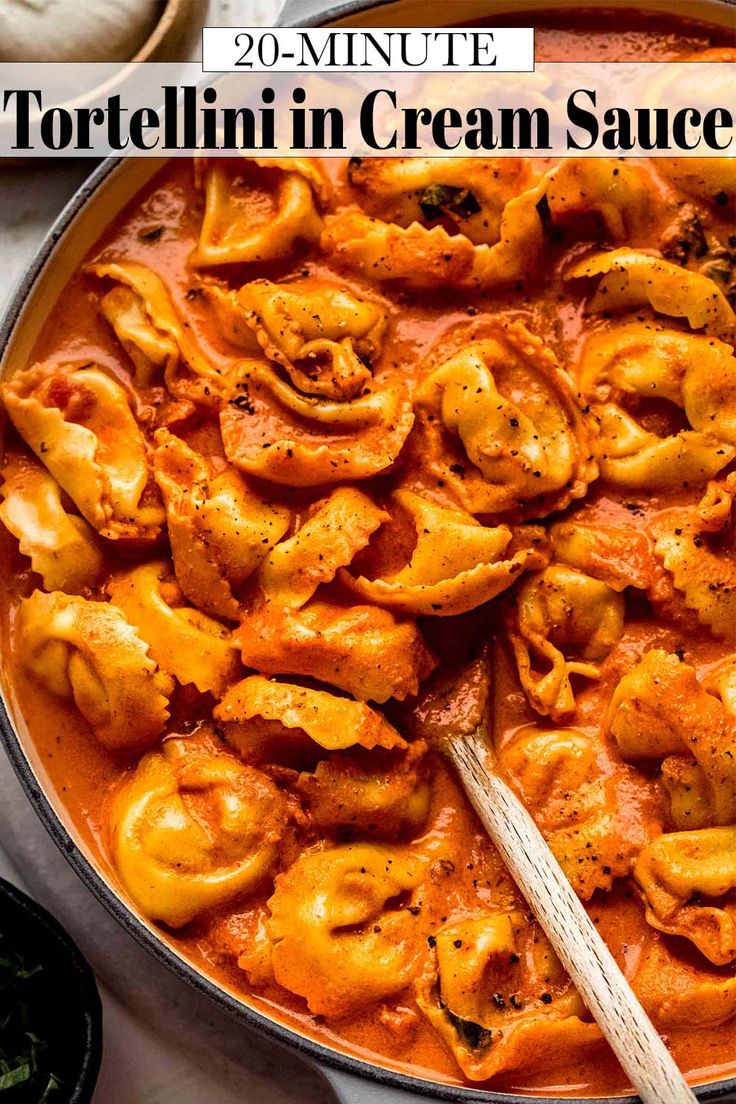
x=163 y=1043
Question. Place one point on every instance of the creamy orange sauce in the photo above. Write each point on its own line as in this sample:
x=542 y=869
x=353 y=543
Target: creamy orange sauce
x=159 y=229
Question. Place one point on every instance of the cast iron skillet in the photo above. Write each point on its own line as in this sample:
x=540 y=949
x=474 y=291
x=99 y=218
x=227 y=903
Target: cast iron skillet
x=356 y=1081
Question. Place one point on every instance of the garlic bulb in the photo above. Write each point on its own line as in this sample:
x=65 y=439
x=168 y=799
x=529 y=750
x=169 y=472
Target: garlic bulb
x=75 y=30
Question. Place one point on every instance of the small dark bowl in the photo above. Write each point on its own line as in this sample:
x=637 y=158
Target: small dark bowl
x=74 y=1024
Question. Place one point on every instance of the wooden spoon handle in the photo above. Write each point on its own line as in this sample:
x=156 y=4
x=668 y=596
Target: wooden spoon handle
x=607 y=994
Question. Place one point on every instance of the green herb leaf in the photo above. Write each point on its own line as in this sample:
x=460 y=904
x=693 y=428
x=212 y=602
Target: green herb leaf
x=15 y=1077
x=441 y=199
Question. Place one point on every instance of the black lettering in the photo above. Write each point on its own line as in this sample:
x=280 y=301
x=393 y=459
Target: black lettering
x=445 y=119
x=57 y=129
x=579 y=117
x=320 y=117
x=22 y=114
x=367 y=119
x=717 y=118
x=479 y=45
x=686 y=116
x=142 y=119
x=86 y=116
x=524 y=129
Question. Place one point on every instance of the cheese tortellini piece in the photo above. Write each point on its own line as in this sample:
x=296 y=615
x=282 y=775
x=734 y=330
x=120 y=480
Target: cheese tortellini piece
x=257 y=208
x=159 y=343
x=618 y=555
x=361 y=649
x=192 y=829
x=502 y=427
x=62 y=547
x=661 y=710
x=688 y=880
x=470 y=192
x=273 y=431
x=638 y=459
x=87 y=652
x=185 y=642
x=220 y=530
x=682 y=990
x=579 y=196
x=693 y=546
x=332 y=532
x=595 y=812
x=499 y=997
x=456 y=563
x=346 y=926
x=79 y=423
x=379 y=250
x=330 y=722
x=562 y=623
x=640 y=361
x=325 y=336
x=708 y=178
x=628 y=280
x=383 y=799
x=504 y=217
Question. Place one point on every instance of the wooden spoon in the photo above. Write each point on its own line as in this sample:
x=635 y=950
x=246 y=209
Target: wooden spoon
x=575 y=939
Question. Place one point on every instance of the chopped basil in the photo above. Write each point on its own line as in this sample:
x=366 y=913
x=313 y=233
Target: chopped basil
x=473 y=1034
x=25 y=1076
x=443 y=199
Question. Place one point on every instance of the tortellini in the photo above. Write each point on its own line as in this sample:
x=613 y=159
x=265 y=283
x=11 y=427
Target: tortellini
x=456 y=563
x=257 y=208
x=562 y=623
x=87 y=652
x=383 y=251
x=640 y=361
x=329 y=537
x=499 y=997
x=692 y=545
x=330 y=722
x=498 y=242
x=660 y=709
x=502 y=427
x=62 y=547
x=341 y=941
x=185 y=642
x=361 y=649
x=637 y=459
x=193 y=828
x=688 y=881
x=708 y=178
x=220 y=530
x=379 y=799
x=591 y=197
x=677 y=991
x=595 y=812
x=695 y=798
x=695 y=372
x=159 y=343
x=271 y=430
x=79 y=423
x=325 y=336
x=627 y=279
x=618 y=555
x=470 y=192
x=372 y=458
